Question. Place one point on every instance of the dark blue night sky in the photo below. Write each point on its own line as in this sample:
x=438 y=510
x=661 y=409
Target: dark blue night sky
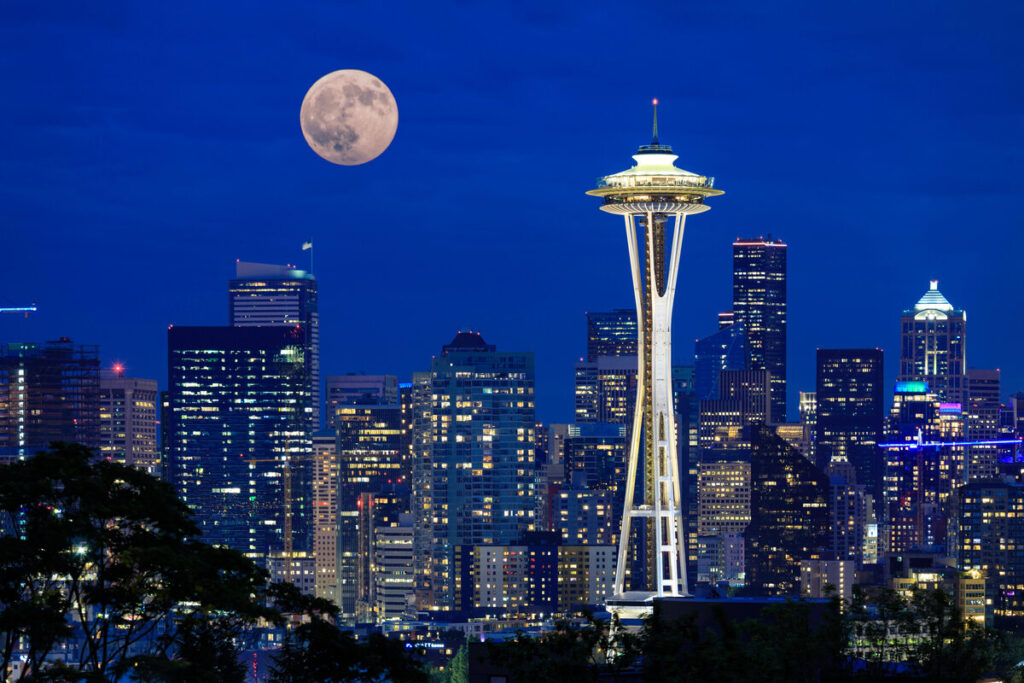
x=146 y=146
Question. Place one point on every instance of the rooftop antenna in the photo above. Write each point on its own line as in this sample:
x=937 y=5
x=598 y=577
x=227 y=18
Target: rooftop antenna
x=654 y=133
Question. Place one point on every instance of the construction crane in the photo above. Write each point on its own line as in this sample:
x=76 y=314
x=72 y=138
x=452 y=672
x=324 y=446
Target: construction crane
x=19 y=309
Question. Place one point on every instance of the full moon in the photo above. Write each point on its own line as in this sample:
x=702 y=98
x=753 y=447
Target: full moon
x=349 y=117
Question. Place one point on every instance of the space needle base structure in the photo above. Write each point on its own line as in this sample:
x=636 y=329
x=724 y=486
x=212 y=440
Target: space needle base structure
x=649 y=196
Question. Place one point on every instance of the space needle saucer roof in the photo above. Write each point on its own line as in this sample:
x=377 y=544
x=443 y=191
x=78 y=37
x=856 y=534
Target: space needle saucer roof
x=655 y=184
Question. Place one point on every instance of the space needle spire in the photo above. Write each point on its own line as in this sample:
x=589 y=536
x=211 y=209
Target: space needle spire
x=654 y=132
x=654 y=197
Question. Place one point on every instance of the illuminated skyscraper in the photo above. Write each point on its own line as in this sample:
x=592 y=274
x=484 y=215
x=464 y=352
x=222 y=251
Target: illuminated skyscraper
x=264 y=295
x=933 y=339
x=128 y=422
x=759 y=302
x=648 y=195
x=611 y=333
x=240 y=449
x=474 y=464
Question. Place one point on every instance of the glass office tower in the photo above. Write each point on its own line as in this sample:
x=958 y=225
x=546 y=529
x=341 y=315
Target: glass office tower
x=240 y=447
x=265 y=295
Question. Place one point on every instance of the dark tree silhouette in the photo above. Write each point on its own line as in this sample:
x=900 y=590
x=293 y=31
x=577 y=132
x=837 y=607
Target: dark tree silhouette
x=103 y=559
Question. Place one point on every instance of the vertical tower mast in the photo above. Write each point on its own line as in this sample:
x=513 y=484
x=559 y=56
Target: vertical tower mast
x=647 y=196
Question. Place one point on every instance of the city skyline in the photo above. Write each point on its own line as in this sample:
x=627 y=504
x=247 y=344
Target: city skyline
x=451 y=446
x=166 y=181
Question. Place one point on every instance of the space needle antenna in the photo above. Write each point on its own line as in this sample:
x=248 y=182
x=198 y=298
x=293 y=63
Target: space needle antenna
x=654 y=134
x=654 y=197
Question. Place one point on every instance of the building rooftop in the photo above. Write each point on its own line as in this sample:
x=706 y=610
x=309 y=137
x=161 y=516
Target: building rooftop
x=467 y=341
x=245 y=270
x=933 y=300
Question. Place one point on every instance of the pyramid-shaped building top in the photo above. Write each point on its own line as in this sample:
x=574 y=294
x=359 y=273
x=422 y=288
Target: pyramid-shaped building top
x=933 y=300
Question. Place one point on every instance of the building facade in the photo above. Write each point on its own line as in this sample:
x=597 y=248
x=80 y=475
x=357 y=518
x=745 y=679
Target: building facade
x=354 y=390
x=988 y=537
x=326 y=490
x=849 y=410
x=371 y=464
x=789 y=515
x=606 y=390
x=128 y=422
x=725 y=349
x=611 y=333
x=239 y=446
x=48 y=392
x=475 y=462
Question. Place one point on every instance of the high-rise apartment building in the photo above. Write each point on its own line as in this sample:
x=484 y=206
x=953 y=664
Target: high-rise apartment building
x=474 y=457
x=849 y=411
x=789 y=514
x=933 y=340
x=759 y=302
x=128 y=422
x=326 y=489
x=239 y=445
x=48 y=392
x=265 y=295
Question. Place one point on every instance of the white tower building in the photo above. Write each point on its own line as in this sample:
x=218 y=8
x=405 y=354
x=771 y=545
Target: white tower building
x=647 y=196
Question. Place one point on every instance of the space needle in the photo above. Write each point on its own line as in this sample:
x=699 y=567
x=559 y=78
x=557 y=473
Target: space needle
x=647 y=196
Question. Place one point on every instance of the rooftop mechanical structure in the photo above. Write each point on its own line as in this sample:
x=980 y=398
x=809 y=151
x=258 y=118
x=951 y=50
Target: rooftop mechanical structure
x=647 y=196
